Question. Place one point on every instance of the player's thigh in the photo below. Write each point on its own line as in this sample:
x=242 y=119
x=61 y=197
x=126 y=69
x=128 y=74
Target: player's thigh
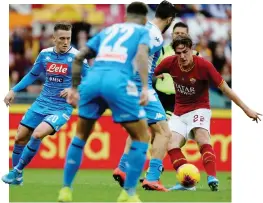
x=91 y=105
x=123 y=100
x=161 y=128
x=177 y=141
x=23 y=135
x=85 y=127
x=92 y=109
x=31 y=119
x=198 y=119
x=154 y=109
x=52 y=123
x=201 y=136
x=138 y=130
x=179 y=132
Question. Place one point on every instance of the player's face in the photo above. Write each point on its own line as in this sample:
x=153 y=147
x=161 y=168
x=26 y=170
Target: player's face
x=185 y=55
x=62 y=39
x=179 y=31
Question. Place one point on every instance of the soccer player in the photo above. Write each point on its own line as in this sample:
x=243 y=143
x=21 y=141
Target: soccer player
x=191 y=120
x=50 y=111
x=165 y=14
x=109 y=83
x=164 y=86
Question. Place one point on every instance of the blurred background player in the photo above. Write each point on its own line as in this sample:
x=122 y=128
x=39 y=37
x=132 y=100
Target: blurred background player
x=164 y=86
x=192 y=114
x=50 y=111
x=111 y=86
x=164 y=16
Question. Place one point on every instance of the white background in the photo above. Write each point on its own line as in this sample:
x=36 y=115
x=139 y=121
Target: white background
x=247 y=142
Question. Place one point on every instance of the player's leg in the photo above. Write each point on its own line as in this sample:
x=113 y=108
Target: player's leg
x=162 y=135
x=123 y=100
x=177 y=141
x=119 y=174
x=74 y=157
x=90 y=110
x=136 y=156
x=21 y=139
x=199 y=129
x=29 y=122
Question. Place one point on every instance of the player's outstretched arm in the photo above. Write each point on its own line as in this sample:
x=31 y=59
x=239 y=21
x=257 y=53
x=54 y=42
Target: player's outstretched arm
x=233 y=96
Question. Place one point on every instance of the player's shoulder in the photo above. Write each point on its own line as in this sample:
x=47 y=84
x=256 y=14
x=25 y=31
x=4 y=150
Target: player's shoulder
x=154 y=31
x=47 y=50
x=202 y=62
x=73 y=51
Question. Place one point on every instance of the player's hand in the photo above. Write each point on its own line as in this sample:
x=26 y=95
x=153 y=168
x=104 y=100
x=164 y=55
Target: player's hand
x=9 y=98
x=73 y=97
x=144 y=97
x=64 y=93
x=253 y=114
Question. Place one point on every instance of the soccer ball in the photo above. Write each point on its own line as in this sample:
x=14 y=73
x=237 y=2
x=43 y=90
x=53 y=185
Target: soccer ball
x=188 y=175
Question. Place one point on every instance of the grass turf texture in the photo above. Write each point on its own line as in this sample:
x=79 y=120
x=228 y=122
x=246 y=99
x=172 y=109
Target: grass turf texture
x=98 y=186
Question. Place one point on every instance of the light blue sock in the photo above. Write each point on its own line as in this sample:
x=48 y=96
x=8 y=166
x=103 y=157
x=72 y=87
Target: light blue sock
x=17 y=152
x=28 y=153
x=136 y=161
x=155 y=170
x=123 y=162
x=73 y=160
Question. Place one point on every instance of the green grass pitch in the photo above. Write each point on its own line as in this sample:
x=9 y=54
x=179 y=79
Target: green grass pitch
x=98 y=186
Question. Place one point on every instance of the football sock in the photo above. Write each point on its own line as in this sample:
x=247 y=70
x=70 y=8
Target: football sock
x=17 y=152
x=177 y=158
x=136 y=161
x=28 y=153
x=73 y=160
x=155 y=170
x=123 y=162
x=209 y=159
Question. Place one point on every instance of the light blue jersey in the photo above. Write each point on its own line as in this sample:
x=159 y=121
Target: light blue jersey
x=109 y=81
x=49 y=106
x=154 y=109
x=156 y=40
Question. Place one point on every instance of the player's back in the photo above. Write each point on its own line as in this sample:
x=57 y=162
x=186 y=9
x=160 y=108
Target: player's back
x=117 y=45
x=156 y=41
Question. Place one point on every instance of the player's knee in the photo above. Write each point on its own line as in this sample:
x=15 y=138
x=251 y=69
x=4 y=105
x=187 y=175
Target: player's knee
x=38 y=135
x=201 y=136
x=176 y=141
x=21 y=140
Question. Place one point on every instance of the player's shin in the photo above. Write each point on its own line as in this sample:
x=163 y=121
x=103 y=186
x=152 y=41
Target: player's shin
x=124 y=157
x=209 y=159
x=16 y=155
x=28 y=153
x=136 y=161
x=177 y=158
x=73 y=160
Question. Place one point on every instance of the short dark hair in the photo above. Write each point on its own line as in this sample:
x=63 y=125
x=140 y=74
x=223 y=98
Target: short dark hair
x=62 y=26
x=137 y=8
x=180 y=24
x=165 y=10
x=184 y=40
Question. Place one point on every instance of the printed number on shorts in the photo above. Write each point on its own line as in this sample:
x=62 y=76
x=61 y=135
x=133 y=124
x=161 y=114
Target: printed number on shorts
x=53 y=118
x=198 y=118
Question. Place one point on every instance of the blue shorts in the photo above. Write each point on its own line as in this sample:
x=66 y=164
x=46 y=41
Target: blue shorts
x=101 y=89
x=154 y=109
x=56 y=119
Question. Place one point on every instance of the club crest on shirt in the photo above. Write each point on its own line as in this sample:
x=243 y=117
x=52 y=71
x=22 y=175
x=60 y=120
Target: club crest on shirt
x=192 y=80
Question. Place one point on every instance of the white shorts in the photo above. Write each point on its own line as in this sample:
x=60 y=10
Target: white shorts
x=185 y=123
